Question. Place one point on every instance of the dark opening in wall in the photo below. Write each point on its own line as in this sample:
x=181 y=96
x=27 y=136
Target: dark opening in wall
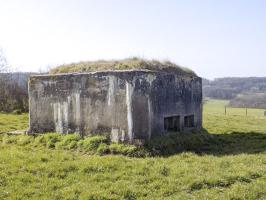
x=189 y=121
x=172 y=123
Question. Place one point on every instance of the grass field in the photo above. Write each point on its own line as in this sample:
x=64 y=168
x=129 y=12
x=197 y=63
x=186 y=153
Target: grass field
x=12 y=122
x=226 y=161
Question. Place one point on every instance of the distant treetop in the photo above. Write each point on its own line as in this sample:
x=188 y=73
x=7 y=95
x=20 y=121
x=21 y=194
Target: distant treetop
x=125 y=64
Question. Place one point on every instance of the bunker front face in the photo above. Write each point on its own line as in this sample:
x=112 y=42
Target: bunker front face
x=129 y=106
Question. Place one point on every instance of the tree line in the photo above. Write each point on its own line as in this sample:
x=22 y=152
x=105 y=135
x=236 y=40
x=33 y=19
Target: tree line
x=247 y=92
x=13 y=88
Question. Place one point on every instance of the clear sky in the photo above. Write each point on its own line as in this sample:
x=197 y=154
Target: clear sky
x=215 y=38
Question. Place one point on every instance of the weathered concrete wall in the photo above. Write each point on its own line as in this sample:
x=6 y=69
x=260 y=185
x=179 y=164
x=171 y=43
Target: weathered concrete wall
x=129 y=105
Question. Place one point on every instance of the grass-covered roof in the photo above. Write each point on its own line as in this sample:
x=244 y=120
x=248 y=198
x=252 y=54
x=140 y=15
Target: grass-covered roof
x=125 y=64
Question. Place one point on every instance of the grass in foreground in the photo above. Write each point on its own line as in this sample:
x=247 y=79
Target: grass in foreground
x=228 y=163
x=50 y=174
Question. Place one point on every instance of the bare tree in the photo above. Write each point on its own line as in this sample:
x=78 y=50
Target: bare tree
x=13 y=88
x=45 y=70
x=3 y=62
x=3 y=79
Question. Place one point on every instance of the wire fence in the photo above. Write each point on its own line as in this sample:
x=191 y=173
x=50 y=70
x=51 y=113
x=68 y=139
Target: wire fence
x=229 y=111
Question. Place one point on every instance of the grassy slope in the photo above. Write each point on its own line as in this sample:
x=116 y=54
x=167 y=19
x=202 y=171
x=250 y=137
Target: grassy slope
x=237 y=173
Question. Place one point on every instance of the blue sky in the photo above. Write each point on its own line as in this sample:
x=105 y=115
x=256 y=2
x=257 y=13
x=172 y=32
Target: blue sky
x=215 y=38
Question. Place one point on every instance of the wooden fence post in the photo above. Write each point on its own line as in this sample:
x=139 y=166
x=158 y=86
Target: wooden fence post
x=225 y=110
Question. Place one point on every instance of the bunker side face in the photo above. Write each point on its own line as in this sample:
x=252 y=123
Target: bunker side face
x=126 y=105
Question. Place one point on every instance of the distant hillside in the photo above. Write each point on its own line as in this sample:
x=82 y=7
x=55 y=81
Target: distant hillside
x=242 y=92
x=255 y=100
x=229 y=88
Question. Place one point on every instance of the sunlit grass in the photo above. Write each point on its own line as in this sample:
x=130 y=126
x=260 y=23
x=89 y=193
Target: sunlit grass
x=217 y=107
x=12 y=122
x=235 y=120
x=230 y=163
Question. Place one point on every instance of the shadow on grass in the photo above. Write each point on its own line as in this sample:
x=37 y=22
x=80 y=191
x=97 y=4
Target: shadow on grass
x=204 y=143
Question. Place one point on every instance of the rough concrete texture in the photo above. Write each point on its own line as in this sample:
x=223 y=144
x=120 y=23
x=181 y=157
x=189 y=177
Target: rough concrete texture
x=129 y=106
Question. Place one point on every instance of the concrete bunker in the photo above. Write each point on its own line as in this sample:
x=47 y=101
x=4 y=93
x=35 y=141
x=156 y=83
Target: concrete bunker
x=127 y=105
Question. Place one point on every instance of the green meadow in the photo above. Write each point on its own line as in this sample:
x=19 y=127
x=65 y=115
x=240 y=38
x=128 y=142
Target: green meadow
x=226 y=160
x=13 y=122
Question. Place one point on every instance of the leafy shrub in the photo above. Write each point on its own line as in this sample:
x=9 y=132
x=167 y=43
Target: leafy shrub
x=122 y=149
x=51 y=139
x=68 y=142
x=72 y=145
x=39 y=140
x=91 y=143
x=102 y=149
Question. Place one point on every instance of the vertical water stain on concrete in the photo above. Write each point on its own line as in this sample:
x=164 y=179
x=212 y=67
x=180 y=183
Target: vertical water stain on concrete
x=77 y=111
x=111 y=90
x=129 y=91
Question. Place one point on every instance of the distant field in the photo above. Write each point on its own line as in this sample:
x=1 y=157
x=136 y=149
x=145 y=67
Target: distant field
x=229 y=164
x=218 y=107
x=235 y=120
